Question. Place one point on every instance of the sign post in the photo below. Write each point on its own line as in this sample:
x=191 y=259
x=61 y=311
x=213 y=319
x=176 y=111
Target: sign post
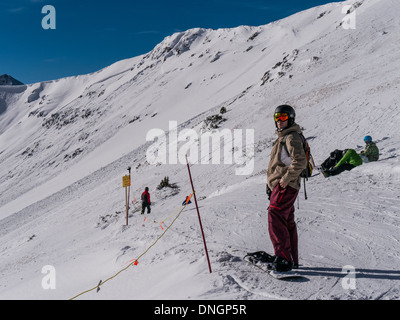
x=126 y=183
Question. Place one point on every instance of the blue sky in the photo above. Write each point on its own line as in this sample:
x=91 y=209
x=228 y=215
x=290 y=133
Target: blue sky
x=92 y=34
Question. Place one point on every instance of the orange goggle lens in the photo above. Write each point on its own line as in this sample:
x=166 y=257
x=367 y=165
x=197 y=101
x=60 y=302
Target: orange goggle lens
x=281 y=116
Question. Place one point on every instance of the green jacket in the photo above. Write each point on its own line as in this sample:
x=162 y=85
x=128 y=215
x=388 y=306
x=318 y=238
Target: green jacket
x=371 y=151
x=351 y=157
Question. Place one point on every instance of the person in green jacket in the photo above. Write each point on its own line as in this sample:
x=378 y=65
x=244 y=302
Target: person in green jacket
x=350 y=160
x=371 y=150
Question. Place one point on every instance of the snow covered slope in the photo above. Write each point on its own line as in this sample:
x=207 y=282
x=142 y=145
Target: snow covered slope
x=65 y=145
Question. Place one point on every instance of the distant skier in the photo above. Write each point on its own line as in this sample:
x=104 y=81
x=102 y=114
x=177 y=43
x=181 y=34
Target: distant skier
x=146 y=203
x=187 y=201
x=371 y=150
x=283 y=184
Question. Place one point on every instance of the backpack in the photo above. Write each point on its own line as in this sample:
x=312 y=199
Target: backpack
x=307 y=172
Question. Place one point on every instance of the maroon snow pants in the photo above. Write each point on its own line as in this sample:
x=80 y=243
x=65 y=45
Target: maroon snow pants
x=281 y=226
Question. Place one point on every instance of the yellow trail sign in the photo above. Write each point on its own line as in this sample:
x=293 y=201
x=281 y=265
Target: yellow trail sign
x=126 y=181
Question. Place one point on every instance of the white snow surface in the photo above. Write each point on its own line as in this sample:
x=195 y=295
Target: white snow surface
x=65 y=145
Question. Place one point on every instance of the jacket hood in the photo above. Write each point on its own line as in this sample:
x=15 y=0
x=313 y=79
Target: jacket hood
x=284 y=132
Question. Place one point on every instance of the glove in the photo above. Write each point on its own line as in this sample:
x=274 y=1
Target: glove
x=269 y=192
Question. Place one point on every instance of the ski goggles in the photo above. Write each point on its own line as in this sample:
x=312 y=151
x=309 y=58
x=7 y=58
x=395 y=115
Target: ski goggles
x=281 y=116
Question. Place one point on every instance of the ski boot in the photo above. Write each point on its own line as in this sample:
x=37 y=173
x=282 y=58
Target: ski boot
x=281 y=265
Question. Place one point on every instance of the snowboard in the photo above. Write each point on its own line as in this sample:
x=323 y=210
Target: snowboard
x=263 y=260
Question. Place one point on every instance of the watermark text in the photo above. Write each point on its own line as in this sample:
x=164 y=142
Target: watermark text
x=204 y=148
x=49 y=20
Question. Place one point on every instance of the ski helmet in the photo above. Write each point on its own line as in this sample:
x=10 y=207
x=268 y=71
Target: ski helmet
x=367 y=139
x=288 y=110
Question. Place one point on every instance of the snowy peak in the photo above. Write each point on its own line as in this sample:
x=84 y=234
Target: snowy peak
x=199 y=41
x=7 y=80
x=176 y=44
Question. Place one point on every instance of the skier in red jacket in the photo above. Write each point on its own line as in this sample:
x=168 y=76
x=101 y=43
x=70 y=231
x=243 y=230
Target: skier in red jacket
x=146 y=200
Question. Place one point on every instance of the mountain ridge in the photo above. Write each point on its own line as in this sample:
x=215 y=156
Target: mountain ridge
x=7 y=80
